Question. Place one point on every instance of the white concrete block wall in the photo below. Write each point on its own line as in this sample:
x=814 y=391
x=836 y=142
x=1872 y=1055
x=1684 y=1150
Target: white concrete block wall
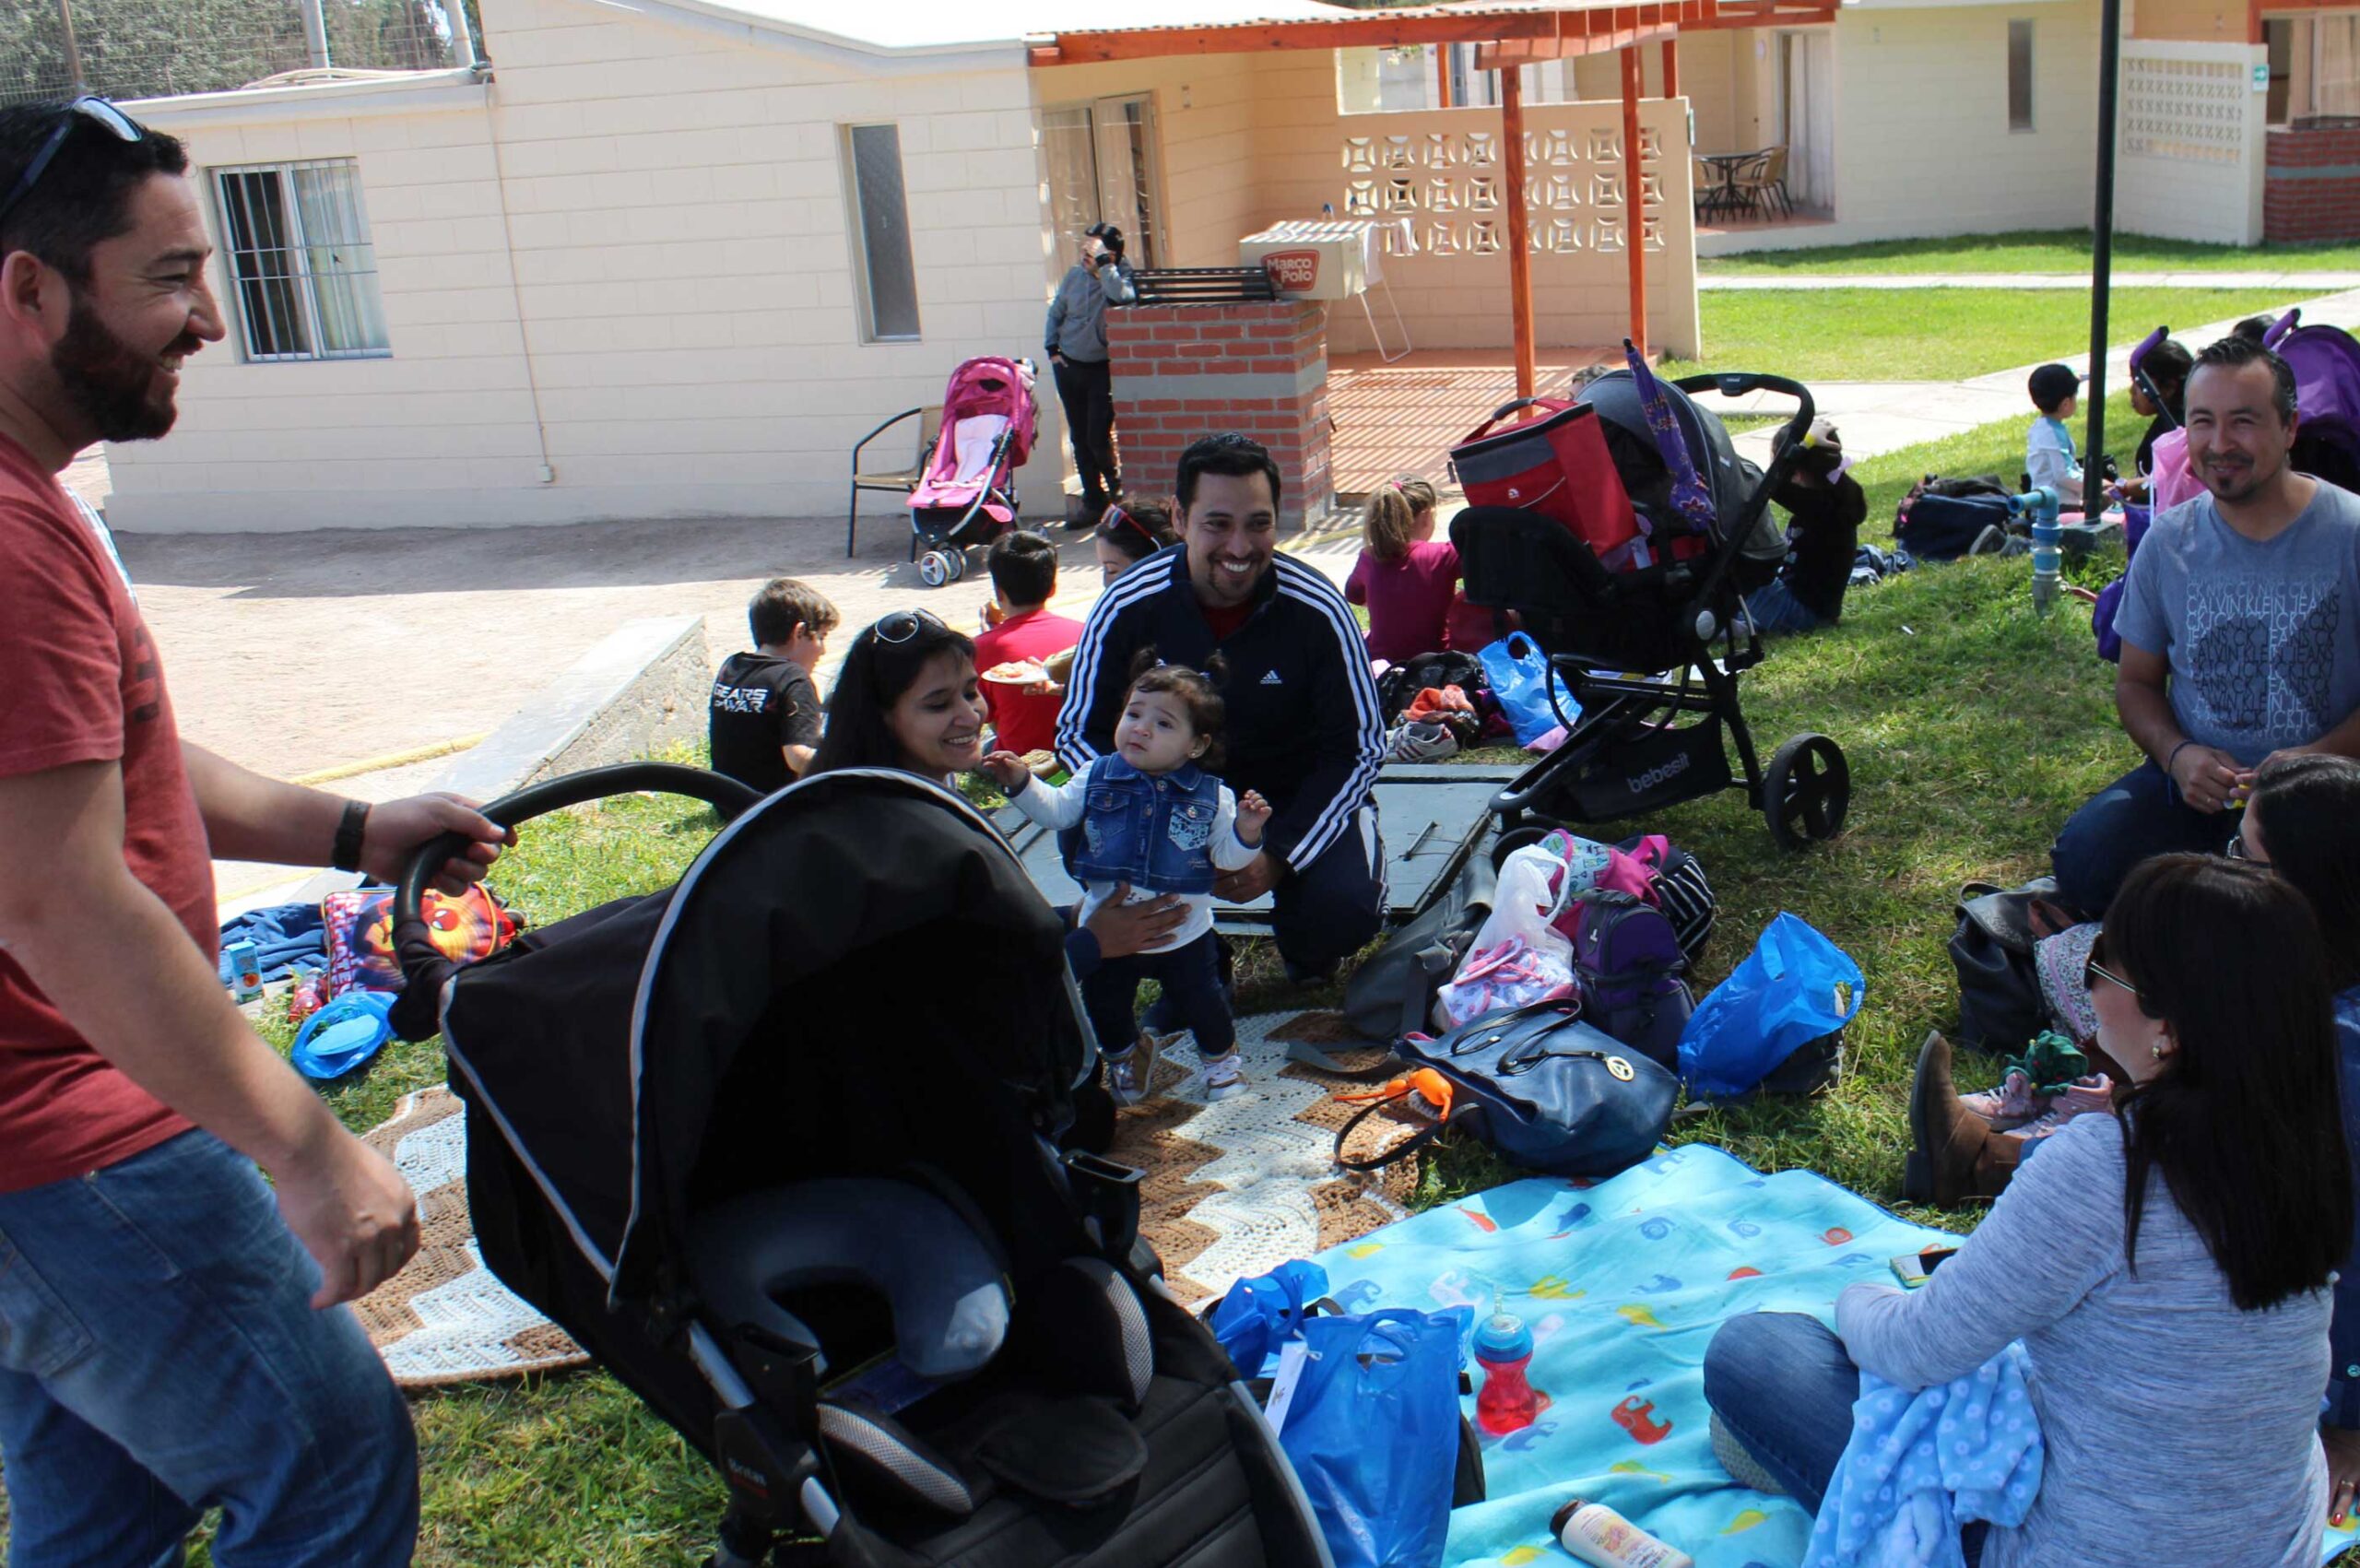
x=2194 y=147
x=1579 y=300
x=682 y=275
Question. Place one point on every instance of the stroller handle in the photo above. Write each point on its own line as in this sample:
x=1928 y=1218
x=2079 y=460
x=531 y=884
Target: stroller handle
x=423 y=966
x=1737 y=383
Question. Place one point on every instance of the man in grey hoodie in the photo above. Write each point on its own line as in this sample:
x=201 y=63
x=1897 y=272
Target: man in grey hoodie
x=1075 y=336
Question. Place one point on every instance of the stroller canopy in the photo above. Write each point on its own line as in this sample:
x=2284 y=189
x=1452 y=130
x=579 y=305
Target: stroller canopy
x=731 y=1033
x=1729 y=479
x=990 y=385
x=2326 y=362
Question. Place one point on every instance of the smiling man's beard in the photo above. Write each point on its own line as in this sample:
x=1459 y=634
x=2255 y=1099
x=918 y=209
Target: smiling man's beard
x=110 y=385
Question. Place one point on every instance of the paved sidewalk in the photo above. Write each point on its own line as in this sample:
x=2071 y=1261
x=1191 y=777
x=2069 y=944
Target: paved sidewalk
x=2309 y=282
x=1875 y=418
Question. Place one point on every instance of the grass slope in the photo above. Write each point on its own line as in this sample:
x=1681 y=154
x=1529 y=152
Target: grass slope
x=2056 y=250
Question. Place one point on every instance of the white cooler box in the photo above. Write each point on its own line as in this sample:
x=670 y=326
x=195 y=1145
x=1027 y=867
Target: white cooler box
x=1324 y=259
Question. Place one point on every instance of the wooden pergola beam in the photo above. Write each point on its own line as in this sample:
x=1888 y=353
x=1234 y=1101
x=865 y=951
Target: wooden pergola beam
x=1521 y=34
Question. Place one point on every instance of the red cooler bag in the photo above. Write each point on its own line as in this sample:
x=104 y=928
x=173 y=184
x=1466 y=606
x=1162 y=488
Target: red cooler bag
x=1557 y=465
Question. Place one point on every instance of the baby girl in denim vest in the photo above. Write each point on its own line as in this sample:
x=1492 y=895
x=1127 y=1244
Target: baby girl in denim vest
x=1152 y=816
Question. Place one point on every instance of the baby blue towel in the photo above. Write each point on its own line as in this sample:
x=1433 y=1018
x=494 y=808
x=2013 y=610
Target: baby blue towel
x=1923 y=1462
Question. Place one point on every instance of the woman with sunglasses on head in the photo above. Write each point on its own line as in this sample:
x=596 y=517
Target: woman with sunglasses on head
x=907 y=698
x=2167 y=1268
x=2303 y=822
x=1128 y=534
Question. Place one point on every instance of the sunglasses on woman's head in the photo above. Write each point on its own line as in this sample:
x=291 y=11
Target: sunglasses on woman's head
x=2237 y=851
x=1118 y=518
x=96 y=110
x=2094 y=970
x=903 y=625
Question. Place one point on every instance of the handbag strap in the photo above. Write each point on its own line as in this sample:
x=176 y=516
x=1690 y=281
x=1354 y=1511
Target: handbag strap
x=1546 y=405
x=1394 y=1155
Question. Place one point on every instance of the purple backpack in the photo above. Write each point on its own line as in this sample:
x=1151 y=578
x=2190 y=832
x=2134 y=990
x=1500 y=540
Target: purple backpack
x=1628 y=961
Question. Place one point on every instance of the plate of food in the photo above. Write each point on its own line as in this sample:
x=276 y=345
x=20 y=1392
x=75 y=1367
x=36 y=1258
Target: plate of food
x=1018 y=672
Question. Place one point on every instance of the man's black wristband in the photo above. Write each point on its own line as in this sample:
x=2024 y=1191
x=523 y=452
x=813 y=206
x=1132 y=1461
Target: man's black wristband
x=346 y=854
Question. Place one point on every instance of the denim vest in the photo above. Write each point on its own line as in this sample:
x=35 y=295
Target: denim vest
x=1154 y=832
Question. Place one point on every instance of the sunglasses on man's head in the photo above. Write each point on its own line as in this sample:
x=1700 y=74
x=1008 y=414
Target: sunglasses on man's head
x=99 y=112
x=2094 y=970
x=903 y=625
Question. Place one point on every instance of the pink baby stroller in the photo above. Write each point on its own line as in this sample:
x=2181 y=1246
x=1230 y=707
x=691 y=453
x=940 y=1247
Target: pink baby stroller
x=968 y=494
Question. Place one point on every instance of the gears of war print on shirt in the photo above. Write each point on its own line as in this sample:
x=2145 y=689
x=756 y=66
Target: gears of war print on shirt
x=2262 y=639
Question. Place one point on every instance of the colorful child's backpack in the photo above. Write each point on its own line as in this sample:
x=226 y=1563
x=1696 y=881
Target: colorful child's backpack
x=1681 y=889
x=1628 y=963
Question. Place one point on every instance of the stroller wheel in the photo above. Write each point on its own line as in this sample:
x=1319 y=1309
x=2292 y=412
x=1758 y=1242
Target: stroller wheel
x=934 y=569
x=958 y=559
x=1806 y=790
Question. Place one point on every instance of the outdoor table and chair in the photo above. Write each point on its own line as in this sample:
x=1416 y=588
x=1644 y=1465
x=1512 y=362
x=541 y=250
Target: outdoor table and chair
x=1728 y=183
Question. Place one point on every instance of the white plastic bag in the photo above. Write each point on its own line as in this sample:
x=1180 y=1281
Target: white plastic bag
x=1517 y=958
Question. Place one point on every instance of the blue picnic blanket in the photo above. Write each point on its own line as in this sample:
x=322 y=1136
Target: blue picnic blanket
x=1622 y=1283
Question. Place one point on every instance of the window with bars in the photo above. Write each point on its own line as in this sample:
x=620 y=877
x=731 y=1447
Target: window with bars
x=2020 y=75
x=302 y=271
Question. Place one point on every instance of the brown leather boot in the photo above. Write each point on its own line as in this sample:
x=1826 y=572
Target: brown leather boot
x=1957 y=1155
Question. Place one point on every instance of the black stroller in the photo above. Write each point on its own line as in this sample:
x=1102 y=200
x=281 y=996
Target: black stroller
x=815 y=1214
x=1640 y=648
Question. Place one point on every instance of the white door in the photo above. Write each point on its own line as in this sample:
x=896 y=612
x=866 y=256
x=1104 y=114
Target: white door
x=1807 y=115
x=1101 y=160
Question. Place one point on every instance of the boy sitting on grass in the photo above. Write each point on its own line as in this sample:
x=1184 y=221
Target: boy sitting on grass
x=2049 y=444
x=764 y=718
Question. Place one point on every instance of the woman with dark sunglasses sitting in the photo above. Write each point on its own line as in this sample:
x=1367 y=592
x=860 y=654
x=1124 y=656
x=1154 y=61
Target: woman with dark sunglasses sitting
x=2303 y=822
x=2167 y=1268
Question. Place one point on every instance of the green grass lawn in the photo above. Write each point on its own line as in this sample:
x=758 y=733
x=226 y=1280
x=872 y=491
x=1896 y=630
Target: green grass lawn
x=2059 y=249
x=1935 y=334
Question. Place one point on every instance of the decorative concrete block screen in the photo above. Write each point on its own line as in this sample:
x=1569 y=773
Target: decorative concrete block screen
x=1437 y=180
x=2193 y=138
x=1181 y=372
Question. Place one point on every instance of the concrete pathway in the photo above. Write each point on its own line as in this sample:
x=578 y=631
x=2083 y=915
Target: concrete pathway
x=2307 y=282
x=1875 y=418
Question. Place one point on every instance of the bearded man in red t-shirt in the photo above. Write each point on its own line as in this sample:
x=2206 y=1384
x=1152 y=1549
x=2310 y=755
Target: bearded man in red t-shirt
x=172 y=1335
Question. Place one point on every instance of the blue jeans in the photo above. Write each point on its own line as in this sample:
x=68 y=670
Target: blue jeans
x=2137 y=816
x=1784 y=1388
x=159 y=1355
x=1774 y=608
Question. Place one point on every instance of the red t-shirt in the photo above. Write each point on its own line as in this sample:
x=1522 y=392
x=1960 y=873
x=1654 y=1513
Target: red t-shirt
x=84 y=685
x=1026 y=720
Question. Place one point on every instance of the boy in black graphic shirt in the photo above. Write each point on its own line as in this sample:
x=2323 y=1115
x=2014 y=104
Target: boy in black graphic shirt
x=764 y=721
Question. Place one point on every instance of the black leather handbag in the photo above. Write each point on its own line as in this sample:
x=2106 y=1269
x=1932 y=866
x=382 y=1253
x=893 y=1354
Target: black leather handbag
x=1546 y=1091
x=2000 y=1003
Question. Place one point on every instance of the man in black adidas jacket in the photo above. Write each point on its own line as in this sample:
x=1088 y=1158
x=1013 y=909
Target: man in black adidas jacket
x=1304 y=723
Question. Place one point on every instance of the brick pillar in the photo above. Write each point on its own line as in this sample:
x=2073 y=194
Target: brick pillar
x=1181 y=372
x=2311 y=186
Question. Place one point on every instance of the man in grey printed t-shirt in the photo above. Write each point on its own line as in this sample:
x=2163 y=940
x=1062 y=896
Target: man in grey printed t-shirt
x=2240 y=630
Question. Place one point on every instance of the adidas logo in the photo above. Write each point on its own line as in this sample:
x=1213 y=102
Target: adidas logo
x=1270 y=678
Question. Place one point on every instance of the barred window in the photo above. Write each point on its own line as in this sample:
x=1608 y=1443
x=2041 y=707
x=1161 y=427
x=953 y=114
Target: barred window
x=301 y=267
x=888 y=294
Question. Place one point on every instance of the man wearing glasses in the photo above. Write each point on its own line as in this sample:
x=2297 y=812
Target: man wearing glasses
x=172 y=1337
x=1303 y=725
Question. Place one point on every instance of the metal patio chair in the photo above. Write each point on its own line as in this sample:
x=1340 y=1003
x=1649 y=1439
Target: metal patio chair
x=901 y=481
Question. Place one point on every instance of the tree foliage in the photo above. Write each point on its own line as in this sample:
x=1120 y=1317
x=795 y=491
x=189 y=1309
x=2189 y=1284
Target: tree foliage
x=156 y=47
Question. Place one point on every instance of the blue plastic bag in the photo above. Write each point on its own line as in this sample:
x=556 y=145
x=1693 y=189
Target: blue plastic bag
x=1371 y=1425
x=1520 y=679
x=1260 y=1314
x=1794 y=987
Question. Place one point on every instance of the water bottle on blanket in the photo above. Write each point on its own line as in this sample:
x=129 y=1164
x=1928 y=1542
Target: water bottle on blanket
x=1504 y=1349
